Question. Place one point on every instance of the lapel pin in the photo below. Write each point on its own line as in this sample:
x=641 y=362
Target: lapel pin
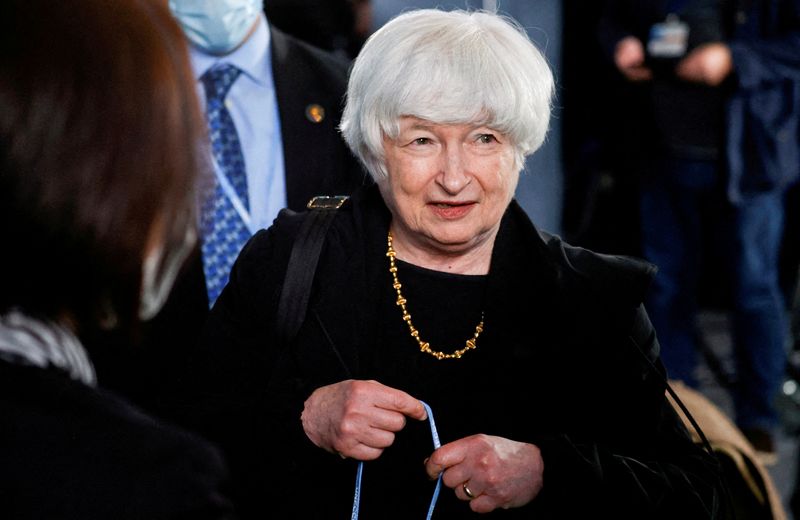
x=315 y=113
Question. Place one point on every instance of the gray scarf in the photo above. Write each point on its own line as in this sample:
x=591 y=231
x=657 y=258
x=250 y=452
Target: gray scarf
x=29 y=341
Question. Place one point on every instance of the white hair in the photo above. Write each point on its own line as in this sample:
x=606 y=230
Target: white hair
x=447 y=67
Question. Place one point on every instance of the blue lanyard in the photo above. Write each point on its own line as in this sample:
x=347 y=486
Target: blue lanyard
x=230 y=192
x=360 y=472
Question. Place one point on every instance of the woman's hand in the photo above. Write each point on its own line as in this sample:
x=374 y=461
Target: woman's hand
x=496 y=472
x=358 y=419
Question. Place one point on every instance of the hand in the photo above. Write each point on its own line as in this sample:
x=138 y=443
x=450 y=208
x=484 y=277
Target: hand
x=710 y=64
x=357 y=419
x=629 y=59
x=498 y=472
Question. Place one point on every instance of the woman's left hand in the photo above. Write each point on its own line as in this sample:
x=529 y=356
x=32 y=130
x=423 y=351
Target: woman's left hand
x=497 y=472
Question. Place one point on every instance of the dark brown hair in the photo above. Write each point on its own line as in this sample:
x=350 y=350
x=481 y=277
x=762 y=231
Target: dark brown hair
x=99 y=132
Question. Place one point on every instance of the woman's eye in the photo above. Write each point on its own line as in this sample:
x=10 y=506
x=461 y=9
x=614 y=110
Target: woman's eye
x=422 y=140
x=487 y=139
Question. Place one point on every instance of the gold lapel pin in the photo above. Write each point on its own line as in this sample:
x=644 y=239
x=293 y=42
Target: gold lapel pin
x=315 y=113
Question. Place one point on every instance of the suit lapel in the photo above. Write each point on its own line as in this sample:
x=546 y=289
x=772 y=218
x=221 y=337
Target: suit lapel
x=309 y=148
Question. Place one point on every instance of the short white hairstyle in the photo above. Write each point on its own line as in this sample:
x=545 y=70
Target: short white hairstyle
x=447 y=67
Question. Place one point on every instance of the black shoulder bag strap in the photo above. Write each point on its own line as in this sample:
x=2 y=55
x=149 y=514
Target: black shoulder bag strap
x=303 y=261
x=641 y=334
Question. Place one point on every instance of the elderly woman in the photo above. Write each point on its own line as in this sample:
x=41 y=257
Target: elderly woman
x=98 y=123
x=536 y=358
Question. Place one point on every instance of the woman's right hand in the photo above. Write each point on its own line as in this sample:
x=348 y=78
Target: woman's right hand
x=358 y=419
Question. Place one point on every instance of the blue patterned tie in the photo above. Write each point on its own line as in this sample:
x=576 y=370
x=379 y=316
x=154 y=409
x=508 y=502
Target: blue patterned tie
x=224 y=232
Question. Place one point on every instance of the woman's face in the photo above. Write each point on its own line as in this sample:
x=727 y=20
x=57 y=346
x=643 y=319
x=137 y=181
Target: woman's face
x=448 y=185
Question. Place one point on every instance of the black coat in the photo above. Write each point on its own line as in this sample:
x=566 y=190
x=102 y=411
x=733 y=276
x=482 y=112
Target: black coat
x=556 y=368
x=74 y=452
x=317 y=161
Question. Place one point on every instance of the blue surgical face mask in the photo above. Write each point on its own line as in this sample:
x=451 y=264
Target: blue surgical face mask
x=216 y=26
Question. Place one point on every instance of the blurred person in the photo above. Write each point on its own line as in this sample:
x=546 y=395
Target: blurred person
x=724 y=97
x=272 y=105
x=98 y=124
x=537 y=357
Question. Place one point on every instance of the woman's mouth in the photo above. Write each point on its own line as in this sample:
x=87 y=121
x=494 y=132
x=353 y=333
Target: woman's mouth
x=451 y=210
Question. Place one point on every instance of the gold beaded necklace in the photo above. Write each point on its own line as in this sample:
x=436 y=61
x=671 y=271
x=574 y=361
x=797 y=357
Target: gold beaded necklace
x=424 y=346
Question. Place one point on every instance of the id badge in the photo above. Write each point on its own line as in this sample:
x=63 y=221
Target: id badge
x=669 y=39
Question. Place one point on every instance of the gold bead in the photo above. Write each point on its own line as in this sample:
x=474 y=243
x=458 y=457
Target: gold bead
x=424 y=346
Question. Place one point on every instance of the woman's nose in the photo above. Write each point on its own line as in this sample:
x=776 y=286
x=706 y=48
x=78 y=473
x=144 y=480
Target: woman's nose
x=453 y=177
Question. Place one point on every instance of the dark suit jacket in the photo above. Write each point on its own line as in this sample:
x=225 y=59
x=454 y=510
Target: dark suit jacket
x=317 y=161
x=74 y=452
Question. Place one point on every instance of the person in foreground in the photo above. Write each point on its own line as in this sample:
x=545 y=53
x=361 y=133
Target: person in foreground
x=536 y=358
x=97 y=180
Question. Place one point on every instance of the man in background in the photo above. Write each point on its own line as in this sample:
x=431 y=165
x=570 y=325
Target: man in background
x=273 y=106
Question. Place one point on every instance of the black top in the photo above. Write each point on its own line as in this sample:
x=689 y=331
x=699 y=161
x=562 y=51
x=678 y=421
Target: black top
x=445 y=308
x=555 y=366
x=70 y=451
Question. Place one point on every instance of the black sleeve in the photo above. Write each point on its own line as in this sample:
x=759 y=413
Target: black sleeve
x=614 y=25
x=622 y=18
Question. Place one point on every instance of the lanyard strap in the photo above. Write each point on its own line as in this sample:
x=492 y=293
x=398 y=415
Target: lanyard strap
x=230 y=192
x=360 y=472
